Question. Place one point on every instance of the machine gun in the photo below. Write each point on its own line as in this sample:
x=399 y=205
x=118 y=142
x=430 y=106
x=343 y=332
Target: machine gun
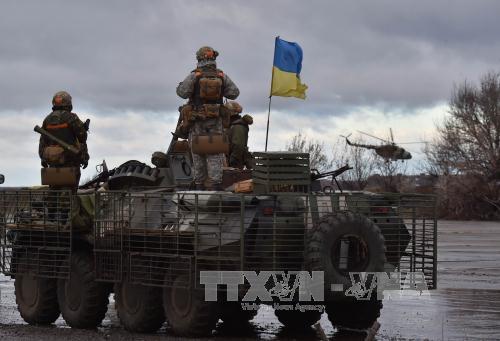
x=103 y=175
x=60 y=142
x=316 y=175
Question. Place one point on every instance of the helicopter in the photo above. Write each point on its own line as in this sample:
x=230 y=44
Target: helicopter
x=390 y=151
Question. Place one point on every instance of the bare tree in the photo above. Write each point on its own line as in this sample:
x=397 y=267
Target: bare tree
x=391 y=174
x=318 y=158
x=361 y=160
x=466 y=153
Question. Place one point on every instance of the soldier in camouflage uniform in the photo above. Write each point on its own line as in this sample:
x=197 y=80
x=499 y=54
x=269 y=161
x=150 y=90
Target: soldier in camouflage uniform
x=239 y=156
x=65 y=125
x=206 y=87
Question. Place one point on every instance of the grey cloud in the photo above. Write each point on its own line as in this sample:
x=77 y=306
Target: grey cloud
x=130 y=55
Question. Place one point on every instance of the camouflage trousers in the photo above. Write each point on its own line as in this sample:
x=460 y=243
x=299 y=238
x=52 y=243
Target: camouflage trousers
x=207 y=167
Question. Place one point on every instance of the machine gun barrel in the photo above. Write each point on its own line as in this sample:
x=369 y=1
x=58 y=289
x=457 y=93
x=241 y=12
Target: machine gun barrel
x=316 y=175
x=60 y=142
x=103 y=176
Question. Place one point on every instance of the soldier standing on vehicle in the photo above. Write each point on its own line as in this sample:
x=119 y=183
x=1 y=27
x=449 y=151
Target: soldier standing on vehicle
x=239 y=156
x=206 y=87
x=66 y=126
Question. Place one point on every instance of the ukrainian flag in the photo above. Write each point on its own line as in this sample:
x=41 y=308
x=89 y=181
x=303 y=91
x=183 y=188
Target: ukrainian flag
x=286 y=70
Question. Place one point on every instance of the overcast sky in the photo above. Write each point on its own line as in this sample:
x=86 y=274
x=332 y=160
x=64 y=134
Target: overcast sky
x=369 y=65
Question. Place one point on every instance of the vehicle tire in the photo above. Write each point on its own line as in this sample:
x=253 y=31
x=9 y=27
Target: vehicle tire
x=234 y=315
x=354 y=314
x=36 y=297
x=339 y=232
x=139 y=307
x=297 y=320
x=187 y=312
x=82 y=300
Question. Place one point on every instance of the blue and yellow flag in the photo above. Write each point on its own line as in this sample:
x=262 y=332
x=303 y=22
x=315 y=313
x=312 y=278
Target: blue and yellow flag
x=286 y=70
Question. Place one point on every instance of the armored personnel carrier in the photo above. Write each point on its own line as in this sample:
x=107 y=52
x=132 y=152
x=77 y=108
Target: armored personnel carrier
x=192 y=258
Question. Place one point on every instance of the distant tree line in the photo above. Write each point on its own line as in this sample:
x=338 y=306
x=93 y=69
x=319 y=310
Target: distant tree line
x=464 y=157
x=466 y=153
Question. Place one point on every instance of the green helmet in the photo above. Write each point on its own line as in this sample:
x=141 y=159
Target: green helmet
x=247 y=119
x=206 y=53
x=233 y=107
x=62 y=99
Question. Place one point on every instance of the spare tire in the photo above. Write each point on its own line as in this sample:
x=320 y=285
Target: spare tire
x=132 y=173
x=342 y=243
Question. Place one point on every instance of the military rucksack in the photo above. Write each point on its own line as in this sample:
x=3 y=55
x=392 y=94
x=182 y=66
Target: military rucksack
x=209 y=86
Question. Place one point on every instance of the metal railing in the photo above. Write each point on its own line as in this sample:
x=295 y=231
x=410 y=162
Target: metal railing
x=150 y=238
x=35 y=232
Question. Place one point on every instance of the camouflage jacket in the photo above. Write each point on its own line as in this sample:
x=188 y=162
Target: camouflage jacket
x=238 y=133
x=69 y=128
x=238 y=138
x=185 y=89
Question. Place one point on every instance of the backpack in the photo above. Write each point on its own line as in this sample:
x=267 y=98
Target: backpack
x=209 y=86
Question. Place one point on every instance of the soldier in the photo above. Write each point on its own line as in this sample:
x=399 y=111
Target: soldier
x=206 y=87
x=239 y=156
x=65 y=125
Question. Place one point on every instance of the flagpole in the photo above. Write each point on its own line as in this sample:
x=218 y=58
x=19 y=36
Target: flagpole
x=270 y=94
x=268 y=114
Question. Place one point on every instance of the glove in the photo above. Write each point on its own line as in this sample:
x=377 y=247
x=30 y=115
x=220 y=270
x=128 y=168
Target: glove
x=85 y=164
x=44 y=164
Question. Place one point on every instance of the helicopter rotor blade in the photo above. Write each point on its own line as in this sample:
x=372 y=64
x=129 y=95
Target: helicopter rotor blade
x=375 y=137
x=414 y=142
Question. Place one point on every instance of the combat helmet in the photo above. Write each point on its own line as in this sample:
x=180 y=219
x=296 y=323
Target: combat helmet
x=233 y=107
x=62 y=99
x=206 y=53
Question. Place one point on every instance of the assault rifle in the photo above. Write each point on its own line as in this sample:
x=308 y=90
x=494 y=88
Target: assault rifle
x=86 y=125
x=60 y=142
x=316 y=175
x=102 y=176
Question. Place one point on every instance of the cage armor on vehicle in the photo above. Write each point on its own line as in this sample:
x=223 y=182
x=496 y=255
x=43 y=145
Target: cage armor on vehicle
x=140 y=231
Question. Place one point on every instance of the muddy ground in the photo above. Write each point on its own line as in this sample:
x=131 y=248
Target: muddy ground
x=466 y=304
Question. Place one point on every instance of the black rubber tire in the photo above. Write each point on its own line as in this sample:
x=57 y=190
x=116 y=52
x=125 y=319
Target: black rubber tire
x=36 y=297
x=82 y=300
x=197 y=317
x=139 y=307
x=297 y=320
x=234 y=315
x=354 y=314
x=327 y=232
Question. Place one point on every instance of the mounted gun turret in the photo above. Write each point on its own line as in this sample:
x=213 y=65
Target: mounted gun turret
x=316 y=176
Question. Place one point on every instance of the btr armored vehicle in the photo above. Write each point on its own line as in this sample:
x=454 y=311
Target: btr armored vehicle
x=192 y=258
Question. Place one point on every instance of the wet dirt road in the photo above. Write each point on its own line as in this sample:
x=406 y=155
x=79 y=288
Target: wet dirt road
x=466 y=304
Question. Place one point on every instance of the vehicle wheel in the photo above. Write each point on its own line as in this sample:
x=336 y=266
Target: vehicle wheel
x=343 y=243
x=82 y=300
x=354 y=314
x=36 y=297
x=234 y=315
x=139 y=307
x=297 y=320
x=187 y=312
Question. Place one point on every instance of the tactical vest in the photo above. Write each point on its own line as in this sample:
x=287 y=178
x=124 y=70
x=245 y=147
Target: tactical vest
x=57 y=124
x=208 y=87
